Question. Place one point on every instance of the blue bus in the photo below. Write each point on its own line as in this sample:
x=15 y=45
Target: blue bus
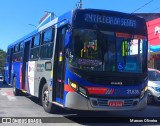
x=86 y=59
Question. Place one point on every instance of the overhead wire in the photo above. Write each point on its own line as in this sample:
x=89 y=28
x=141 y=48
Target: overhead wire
x=143 y=6
x=155 y=9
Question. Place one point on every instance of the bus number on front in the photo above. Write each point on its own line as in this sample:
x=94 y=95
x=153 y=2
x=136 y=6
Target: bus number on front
x=132 y=91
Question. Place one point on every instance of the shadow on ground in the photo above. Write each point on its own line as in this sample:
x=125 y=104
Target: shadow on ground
x=2 y=85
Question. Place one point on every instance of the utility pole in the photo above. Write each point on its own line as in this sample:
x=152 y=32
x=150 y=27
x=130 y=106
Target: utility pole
x=80 y=3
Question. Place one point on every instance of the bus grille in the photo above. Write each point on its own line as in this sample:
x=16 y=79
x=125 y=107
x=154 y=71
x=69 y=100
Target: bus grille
x=99 y=102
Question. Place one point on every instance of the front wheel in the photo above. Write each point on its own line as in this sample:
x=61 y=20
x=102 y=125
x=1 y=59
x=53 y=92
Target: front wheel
x=48 y=107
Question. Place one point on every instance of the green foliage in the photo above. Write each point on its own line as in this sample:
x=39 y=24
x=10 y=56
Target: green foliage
x=2 y=59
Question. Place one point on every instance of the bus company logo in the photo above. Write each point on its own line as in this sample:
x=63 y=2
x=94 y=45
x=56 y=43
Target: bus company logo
x=116 y=83
x=40 y=67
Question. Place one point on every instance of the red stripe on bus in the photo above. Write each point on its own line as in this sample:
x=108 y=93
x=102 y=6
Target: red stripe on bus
x=112 y=91
x=68 y=88
x=97 y=90
x=20 y=76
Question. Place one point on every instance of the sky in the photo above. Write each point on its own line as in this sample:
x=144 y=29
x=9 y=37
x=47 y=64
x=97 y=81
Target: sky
x=16 y=15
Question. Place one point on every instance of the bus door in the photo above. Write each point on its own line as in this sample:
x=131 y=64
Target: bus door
x=59 y=65
x=25 y=61
x=10 y=65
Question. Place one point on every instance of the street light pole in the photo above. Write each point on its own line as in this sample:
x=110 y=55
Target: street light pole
x=32 y=25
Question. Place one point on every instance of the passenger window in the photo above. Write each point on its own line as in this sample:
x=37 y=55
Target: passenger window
x=47 y=36
x=21 y=46
x=35 y=48
x=34 y=53
x=16 y=48
x=17 y=56
x=47 y=44
x=47 y=51
x=36 y=41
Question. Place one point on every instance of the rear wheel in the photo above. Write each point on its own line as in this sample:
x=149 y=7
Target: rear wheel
x=150 y=98
x=48 y=106
x=16 y=92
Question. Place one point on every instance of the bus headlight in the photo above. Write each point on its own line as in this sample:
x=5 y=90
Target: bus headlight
x=74 y=85
x=77 y=88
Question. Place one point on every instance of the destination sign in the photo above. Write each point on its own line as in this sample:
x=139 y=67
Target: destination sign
x=111 y=20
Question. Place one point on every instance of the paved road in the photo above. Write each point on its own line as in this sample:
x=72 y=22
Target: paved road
x=27 y=106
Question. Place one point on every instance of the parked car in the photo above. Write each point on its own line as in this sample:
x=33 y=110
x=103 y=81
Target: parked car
x=153 y=86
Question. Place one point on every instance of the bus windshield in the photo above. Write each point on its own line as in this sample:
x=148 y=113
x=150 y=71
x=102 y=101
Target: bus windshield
x=107 y=51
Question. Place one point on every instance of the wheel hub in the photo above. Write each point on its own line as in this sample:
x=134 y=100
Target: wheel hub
x=45 y=98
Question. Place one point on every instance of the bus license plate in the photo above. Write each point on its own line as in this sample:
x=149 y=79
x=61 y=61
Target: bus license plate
x=116 y=103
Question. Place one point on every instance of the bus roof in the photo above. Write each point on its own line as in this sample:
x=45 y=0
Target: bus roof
x=65 y=17
x=68 y=18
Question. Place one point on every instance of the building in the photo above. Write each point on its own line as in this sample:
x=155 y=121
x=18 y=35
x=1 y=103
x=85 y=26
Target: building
x=153 y=26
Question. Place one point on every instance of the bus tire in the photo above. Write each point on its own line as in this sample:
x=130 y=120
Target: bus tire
x=15 y=90
x=48 y=106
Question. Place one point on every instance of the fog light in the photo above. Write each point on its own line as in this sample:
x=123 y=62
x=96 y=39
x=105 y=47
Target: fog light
x=135 y=103
x=95 y=103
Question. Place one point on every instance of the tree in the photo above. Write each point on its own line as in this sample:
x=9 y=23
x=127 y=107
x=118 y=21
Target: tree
x=2 y=60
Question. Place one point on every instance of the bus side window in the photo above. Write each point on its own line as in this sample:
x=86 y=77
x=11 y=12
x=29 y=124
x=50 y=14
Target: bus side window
x=21 y=48
x=35 y=47
x=47 y=44
x=17 y=56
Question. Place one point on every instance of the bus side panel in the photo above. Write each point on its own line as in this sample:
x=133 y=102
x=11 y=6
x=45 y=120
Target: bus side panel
x=42 y=73
x=17 y=72
x=35 y=73
x=30 y=77
x=26 y=78
x=67 y=87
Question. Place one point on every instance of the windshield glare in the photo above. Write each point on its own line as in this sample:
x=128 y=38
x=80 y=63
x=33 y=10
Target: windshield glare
x=107 y=51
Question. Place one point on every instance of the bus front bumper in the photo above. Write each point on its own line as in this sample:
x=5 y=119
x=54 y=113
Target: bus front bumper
x=76 y=101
